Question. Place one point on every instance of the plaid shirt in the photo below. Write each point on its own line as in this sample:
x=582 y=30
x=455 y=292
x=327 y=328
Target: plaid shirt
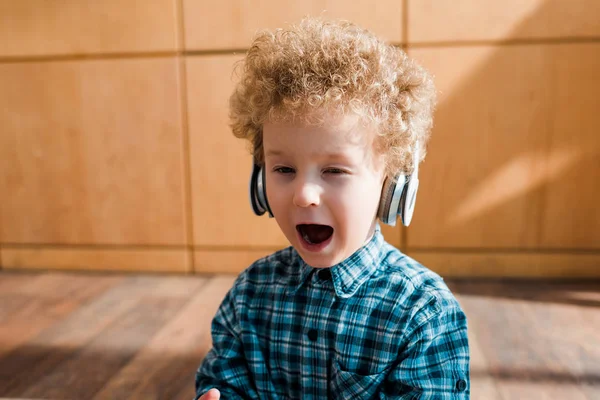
x=378 y=325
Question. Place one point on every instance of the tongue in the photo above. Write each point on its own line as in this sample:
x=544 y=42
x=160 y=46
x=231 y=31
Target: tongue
x=316 y=233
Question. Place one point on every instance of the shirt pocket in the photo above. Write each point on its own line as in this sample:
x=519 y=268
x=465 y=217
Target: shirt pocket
x=348 y=384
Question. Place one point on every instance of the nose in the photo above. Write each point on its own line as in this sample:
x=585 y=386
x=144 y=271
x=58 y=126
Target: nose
x=307 y=194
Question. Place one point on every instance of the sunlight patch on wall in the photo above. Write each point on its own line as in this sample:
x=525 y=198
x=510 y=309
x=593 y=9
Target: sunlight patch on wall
x=515 y=178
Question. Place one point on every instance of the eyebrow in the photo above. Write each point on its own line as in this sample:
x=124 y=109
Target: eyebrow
x=273 y=153
x=336 y=156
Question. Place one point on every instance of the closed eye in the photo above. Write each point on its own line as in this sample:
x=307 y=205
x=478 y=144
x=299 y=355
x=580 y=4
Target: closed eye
x=335 y=171
x=283 y=170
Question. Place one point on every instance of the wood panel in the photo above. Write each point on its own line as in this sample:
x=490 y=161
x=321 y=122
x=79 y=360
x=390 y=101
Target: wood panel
x=471 y=20
x=99 y=259
x=33 y=359
x=572 y=218
x=125 y=337
x=483 y=386
x=109 y=330
x=31 y=303
x=36 y=28
x=167 y=363
x=393 y=234
x=231 y=261
x=517 y=265
x=90 y=152
x=232 y=24
x=514 y=151
x=532 y=334
x=221 y=163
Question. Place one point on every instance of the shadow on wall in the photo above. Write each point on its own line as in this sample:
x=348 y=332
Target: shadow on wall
x=515 y=151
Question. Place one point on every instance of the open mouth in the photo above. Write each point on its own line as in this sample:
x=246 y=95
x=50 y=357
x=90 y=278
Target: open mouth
x=315 y=236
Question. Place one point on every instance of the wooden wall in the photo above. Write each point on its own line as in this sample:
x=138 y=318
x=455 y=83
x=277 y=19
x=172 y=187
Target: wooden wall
x=115 y=152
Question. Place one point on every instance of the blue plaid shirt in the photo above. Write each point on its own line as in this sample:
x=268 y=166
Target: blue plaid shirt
x=378 y=325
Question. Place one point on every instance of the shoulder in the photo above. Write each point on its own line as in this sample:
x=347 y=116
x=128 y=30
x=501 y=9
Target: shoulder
x=255 y=284
x=421 y=292
x=276 y=267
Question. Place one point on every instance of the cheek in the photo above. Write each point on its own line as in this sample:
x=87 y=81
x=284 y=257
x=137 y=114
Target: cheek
x=356 y=203
x=276 y=193
x=366 y=194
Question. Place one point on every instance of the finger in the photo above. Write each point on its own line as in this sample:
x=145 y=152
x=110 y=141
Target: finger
x=212 y=394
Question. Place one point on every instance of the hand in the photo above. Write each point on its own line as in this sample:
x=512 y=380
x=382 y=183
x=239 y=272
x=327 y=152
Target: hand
x=212 y=394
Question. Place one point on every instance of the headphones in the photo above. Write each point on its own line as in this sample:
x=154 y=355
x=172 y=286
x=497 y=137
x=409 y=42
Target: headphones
x=398 y=195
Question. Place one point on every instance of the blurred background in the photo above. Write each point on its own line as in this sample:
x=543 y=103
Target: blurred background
x=115 y=153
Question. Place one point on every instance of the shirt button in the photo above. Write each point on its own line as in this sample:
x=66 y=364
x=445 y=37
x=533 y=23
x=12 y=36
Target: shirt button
x=324 y=274
x=461 y=385
x=313 y=335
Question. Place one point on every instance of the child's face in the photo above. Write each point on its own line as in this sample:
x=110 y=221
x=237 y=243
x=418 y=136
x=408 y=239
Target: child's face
x=323 y=186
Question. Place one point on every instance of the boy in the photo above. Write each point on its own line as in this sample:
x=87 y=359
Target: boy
x=337 y=119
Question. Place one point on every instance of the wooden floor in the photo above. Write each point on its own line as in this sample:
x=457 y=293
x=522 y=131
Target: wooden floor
x=94 y=336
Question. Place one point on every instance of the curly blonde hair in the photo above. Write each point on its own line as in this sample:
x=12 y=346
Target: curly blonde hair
x=334 y=66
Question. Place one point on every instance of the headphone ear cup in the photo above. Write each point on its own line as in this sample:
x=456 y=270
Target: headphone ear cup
x=409 y=198
x=258 y=191
x=389 y=203
x=262 y=192
x=255 y=202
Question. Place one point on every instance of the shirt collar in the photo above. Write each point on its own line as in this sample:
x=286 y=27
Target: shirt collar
x=349 y=275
